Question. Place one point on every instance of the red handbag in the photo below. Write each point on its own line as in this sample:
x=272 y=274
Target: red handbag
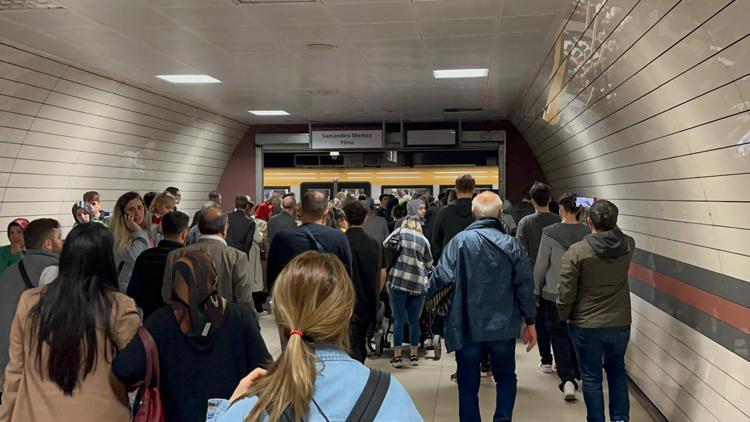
x=148 y=398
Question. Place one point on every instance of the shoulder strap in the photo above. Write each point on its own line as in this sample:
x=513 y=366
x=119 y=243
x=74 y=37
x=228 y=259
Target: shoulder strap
x=25 y=275
x=371 y=398
x=313 y=241
x=152 y=357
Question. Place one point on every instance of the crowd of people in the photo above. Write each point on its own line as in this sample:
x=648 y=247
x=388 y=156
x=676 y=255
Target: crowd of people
x=87 y=319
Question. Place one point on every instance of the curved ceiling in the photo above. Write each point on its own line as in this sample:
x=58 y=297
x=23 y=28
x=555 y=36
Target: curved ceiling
x=381 y=68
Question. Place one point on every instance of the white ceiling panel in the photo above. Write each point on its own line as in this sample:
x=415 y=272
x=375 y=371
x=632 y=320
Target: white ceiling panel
x=383 y=56
x=319 y=32
x=455 y=9
x=538 y=23
x=461 y=42
x=232 y=32
x=124 y=16
x=299 y=13
x=362 y=12
x=206 y=15
x=532 y=7
x=457 y=27
x=381 y=31
x=39 y=18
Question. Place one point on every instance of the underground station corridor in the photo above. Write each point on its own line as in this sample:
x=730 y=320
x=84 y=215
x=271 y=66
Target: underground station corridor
x=270 y=195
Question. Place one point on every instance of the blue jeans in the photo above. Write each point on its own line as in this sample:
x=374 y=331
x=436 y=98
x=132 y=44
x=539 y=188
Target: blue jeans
x=503 y=363
x=406 y=308
x=599 y=348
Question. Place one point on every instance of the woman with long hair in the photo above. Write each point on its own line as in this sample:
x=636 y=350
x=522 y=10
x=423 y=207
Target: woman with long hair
x=314 y=377
x=407 y=284
x=64 y=336
x=206 y=344
x=131 y=236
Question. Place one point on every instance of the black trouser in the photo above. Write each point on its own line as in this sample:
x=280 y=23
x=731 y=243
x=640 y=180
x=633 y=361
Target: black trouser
x=542 y=336
x=358 y=336
x=259 y=298
x=565 y=356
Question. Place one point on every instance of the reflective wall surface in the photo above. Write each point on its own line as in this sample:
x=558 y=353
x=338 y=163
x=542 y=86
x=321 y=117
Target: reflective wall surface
x=64 y=131
x=645 y=103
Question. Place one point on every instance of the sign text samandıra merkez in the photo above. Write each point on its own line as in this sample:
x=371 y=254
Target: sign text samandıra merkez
x=347 y=139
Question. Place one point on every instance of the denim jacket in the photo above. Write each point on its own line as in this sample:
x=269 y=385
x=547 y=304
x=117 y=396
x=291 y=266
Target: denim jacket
x=338 y=385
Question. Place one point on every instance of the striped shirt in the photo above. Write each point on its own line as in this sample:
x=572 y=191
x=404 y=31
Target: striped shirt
x=412 y=268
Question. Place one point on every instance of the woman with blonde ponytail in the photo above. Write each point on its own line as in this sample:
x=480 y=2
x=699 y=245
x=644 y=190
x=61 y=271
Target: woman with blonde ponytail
x=314 y=378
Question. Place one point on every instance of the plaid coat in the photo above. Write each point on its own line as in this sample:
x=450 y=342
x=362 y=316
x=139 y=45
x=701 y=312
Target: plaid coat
x=412 y=268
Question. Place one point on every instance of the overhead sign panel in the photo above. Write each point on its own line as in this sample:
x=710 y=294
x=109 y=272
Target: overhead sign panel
x=430 y=137
x=347 y=139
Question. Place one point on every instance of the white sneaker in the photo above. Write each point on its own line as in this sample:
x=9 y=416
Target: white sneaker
x=546 y=368
x=569 y=391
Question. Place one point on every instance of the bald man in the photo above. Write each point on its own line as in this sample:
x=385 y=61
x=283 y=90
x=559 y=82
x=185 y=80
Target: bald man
x=233 y=266
x=311 y=235
x=492 y=295
x=286 y=219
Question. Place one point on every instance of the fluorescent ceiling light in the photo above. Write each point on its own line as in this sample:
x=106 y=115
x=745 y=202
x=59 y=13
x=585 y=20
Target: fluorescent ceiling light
x=189 y=79
x=459 y=73
x=269 y=112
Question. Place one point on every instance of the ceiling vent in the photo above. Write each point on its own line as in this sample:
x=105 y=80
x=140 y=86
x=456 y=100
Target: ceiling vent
x=272 y=1
x=28 y=4
x=462 y=110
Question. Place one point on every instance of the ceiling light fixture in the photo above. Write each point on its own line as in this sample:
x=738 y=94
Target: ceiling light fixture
x=459 y=73
x=268 y=112
x=189 y=79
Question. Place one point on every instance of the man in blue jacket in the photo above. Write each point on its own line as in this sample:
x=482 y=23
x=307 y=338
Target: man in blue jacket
x=492 y=294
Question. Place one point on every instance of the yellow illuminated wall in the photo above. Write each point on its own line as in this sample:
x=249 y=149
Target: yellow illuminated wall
x=484 y=175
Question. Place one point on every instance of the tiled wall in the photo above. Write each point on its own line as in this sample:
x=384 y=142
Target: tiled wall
x=64 y=131
x=645 y=102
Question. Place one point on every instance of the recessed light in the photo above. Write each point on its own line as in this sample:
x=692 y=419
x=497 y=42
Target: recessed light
x=269 y=112
x=460 y=73
x=189 y=79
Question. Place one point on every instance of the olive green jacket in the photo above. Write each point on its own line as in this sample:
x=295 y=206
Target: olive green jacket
x=594 y=290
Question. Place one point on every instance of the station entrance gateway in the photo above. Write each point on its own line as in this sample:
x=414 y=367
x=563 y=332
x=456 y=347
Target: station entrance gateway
x=375 y=159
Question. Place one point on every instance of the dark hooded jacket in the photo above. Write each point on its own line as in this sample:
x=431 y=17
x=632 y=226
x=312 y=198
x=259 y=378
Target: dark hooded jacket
x=594 y=290
x=492 y=286
x=191 y=373
x=556 y=239
x=450 y=221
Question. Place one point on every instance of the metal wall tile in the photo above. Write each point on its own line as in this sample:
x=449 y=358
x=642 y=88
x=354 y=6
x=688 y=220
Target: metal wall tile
x=722 y=359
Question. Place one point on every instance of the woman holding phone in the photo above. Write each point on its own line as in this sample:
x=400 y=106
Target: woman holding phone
x=131 y=235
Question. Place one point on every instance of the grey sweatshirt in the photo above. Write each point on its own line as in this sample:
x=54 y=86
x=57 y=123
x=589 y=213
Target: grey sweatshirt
x=35 y=261
x=556 y=239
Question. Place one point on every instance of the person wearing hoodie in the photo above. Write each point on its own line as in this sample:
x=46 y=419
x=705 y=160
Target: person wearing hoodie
x=206 y=343
x=556 y=239
x=414 y=208
x=595 y=301
x=44 y=242
x=455 y=217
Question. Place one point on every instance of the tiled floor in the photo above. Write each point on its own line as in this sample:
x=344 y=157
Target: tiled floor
x=436 y=396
